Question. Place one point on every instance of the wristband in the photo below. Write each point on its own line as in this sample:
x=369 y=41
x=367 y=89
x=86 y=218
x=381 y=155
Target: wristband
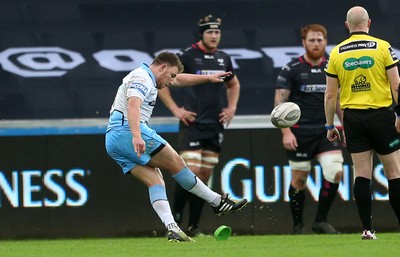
x=329 y=127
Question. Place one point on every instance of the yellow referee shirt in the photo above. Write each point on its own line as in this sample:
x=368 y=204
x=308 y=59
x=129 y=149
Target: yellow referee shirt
x=360 y=63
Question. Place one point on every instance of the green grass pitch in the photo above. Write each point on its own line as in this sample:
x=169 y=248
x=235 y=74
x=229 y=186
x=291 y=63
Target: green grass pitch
x=247 y=246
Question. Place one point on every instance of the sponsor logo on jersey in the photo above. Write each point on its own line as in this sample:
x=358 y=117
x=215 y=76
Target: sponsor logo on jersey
x=198 y=61
x=138 y=79
x=301 y=155
x=286 y=67
x=316 y=70
x=364 y=62
x=281 y=79
x=196 y=143
x=304 y=75
x=394 y=143
x=317 y=88
x=209 y=72
x=360 y=84
x=207 y=56
x=358 y=45
x=140 y=87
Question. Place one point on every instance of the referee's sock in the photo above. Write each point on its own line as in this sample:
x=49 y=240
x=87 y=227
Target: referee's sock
x=394 y=196
x=326 y=196
x=362 y=195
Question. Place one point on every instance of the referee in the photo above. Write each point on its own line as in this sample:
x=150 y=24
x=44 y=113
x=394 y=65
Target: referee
x=364 y=69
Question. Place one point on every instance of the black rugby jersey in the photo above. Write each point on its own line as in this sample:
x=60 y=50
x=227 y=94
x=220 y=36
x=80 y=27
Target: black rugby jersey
x=307 y=84
x=207 y=100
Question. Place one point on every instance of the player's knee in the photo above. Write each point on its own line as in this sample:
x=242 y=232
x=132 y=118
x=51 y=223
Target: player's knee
x=299 y=184
x=209 y=162
x=338 y=176
x=300 y=170
x=192 y=159
x=332 y=167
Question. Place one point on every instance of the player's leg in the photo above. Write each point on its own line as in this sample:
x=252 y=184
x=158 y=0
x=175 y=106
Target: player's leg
x=181 y=196
x=372 y=131
x=362 y=192
x=208 y=160
x=153 y=179
x=189 y=146
x=168 y=159
x=332 y=168
x=297 y=196
x=391 y=164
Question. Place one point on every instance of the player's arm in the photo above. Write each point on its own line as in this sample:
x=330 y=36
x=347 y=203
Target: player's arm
x=134 y=104
x=233 y=93
x=187 y=79
x=330 y=102
x=393 y=76
x=180 y=112
x=339 y=111
x=289 y=141
x=281 y=96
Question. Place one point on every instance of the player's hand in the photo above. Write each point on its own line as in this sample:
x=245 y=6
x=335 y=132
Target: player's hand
x=219 y=77
x=397 y=124
x=184 y=115
x=333 y=134
x=343 y=137
x=226 y=116
x=139 y=145
x=289 y=140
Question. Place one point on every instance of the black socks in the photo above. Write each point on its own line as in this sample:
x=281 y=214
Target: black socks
x=297 y=199
x=326 y=196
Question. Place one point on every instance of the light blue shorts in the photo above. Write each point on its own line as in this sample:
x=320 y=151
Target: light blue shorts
x=119 y=143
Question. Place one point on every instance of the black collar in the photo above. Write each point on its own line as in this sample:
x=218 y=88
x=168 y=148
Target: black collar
x=358 y=33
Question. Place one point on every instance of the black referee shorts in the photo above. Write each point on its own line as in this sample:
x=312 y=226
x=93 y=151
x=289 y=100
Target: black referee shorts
x=371 y=129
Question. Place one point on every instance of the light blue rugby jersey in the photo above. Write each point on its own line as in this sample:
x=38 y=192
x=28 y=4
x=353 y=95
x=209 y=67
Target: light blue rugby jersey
x=138 y=83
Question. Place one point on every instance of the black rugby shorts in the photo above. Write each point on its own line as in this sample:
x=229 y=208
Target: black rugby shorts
x=200 y=136
x=371 y=129
x=311 y=142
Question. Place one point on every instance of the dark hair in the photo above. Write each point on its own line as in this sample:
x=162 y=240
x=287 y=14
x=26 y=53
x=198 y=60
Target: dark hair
x=313 y=27
x=170 y=59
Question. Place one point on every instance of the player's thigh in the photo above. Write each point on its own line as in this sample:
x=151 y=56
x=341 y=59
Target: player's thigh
x=300 y=171
x=362 y=163
x=391 y=164
x=209 y=159
x=192 y=159
x=167 y=159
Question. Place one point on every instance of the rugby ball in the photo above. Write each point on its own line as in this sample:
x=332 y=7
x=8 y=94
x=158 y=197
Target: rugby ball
x=285 y=115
